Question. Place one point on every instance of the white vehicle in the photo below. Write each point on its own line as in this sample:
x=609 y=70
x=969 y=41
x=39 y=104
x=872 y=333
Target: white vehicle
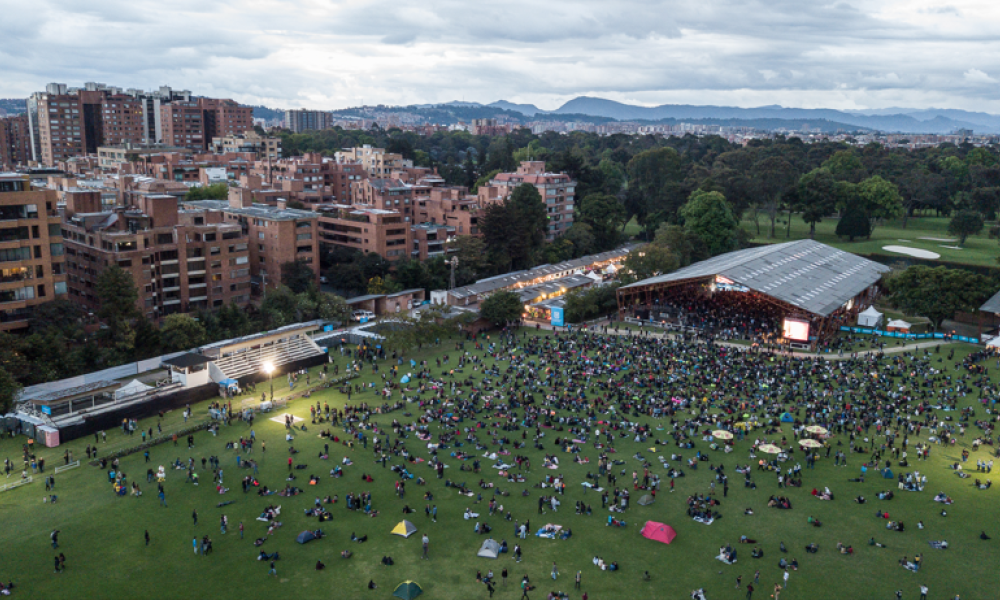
x=363 y=315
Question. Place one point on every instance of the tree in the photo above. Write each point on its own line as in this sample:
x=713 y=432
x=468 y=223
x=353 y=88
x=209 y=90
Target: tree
x=590 y=303
x=606 y=216
x=383 y=285
x=10 y=390
x=818 y=193
x=853 y=222
x=684 y=244
x=708 y=216
x=181 y=332
x=298 y=276
x=773 y=177
x=59 y=313
x=118 y=296
x=647 y=261
x=582 y=239
x=965 y=223
x=655 y=186
x=502 y=308
x=845 y=165
x=514 y=230
x=215 y=191
x=937 y=293
x=880 y=200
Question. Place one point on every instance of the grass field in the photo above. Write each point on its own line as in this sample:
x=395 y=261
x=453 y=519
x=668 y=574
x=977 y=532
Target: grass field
x=978 y=249
x=102 y=535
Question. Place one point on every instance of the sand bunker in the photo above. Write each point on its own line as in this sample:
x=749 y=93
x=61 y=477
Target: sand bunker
x=950 y=247
x=915 y=252
x=930 y=239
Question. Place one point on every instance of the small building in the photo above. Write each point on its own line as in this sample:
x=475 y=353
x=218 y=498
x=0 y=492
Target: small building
x=189 y=369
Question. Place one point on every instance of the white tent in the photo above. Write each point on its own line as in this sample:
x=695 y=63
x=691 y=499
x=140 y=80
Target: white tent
x=994 y=343
x=898 y=325
x=490 y=549
x=869 y=318
x=131 y=389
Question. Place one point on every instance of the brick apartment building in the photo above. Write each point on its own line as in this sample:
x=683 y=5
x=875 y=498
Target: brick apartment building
x=70 y=122
x=451 y=206
x=365 y=229
x=181 y=260
x=276 y=235
x=557 y=191
x=31 y=250
x=15 y=141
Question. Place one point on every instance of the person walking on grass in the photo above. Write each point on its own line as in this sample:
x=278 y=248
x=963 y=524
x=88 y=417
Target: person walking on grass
x=146 y=535
x=194 y=542
x=273 y=571
x=194 y=516
x=425 y=542
x=749 y=591
x=579 y=577
x=555 y=572
x=54 y=536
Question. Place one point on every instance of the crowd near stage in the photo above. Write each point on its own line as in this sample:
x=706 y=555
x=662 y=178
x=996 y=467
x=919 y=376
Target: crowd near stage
x=797 y=293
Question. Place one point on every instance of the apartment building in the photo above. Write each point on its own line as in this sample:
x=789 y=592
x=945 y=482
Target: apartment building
x=557 y=191
x=66 y=122
x=389 y=194
x=114 y=158
x=365 y=229
x=31 y=250
x=276 y=235
x=300 y=119
x=451 y=206
x=430 y=240
x=376 y=161
x=250 y=142
x=183 y=125
x=224 y=118
x=181 y=260
x=15 y=141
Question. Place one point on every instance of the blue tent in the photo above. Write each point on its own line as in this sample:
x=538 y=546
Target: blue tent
x=228 y=383
x=405 y=379
x=787 y=418
x=887 y=473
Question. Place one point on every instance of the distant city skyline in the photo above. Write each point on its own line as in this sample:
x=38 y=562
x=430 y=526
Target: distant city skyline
x=305 y=54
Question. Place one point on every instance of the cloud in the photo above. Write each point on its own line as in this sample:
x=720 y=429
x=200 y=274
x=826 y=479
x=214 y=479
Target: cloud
x=340 y=53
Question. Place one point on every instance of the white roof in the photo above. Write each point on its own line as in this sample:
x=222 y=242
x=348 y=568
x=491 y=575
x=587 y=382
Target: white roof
x=899 y=323
x=871 y=312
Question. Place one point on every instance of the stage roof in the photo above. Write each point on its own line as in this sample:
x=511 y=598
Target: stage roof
x=805 y=273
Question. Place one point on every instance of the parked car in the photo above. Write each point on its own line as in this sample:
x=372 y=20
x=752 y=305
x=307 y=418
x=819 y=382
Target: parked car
x=363 y=315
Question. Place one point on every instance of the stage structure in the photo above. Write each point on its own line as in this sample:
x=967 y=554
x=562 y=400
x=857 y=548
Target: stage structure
x=810 y=287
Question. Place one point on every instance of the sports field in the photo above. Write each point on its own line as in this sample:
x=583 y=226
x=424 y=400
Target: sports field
x=102 y=535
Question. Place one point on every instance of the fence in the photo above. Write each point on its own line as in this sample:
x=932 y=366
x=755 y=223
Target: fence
x=16 y=484
x=64 y=468
x=911 y=336
x=663 y=325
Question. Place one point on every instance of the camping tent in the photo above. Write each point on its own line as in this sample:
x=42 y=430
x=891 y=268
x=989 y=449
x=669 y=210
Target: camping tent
x=405 y=529
x=646 y=500
x=787 y=418
x=869 y=318
x=131 y=389
x=408 y=590
x=305 y=537
x=490 y=549
x=658 y=532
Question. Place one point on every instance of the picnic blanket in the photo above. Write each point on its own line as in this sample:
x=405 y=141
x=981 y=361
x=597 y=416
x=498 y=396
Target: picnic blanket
x=591 y=486
x=704 y=520
x=722 y=557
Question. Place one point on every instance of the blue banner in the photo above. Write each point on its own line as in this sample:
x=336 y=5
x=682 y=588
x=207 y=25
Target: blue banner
x=558 y=317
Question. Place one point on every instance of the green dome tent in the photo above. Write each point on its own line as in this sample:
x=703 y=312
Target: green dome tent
x=408 y=590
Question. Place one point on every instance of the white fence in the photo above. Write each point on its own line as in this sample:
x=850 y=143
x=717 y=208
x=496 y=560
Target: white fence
x=16 y=484
x=64 y=468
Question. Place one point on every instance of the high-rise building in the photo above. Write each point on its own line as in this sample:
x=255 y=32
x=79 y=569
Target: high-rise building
x=66 y=122
x=557 y=191
x=183 y=125
x=15 y=141
x=300 y=119
x=31 y=250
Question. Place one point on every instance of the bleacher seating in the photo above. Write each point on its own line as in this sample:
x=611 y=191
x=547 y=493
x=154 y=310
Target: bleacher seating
x=278 y=354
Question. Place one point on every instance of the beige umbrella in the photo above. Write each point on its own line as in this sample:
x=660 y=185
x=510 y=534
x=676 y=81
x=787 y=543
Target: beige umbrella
x=810 y=444
x=769 y=449
x=817 y=429
x=722 y=435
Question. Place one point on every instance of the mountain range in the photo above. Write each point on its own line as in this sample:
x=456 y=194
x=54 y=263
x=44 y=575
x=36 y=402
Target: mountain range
x=894 y=120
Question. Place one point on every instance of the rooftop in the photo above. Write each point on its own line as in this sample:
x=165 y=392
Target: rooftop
x=806 y=274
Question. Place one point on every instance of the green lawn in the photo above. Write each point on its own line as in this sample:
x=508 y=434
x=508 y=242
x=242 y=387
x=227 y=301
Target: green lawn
x=978 y=250
x=102 y=535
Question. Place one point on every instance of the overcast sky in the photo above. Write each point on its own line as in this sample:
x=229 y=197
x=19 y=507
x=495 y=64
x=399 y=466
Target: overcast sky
x=335 y=54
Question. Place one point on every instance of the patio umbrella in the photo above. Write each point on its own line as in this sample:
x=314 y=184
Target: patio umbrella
x=769 y=449
x=810 y=444
x=722 y=435
x=817 y=429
